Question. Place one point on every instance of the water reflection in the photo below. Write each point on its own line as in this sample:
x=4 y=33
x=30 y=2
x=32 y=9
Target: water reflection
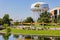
x=26 y=37
x=11 y=37
x=1 y=37
x=6 y=36
x=15 y=36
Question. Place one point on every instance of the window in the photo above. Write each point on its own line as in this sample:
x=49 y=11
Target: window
x=55 y=14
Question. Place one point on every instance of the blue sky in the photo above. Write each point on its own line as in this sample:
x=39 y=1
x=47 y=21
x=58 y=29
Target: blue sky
x=20 y=9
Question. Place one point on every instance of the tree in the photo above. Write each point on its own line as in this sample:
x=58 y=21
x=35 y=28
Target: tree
x=16 y=23
x=28 y=20
x=10 y=19
x=44 y=17
x=1 y=21
x=6 y=19
x=58 y=18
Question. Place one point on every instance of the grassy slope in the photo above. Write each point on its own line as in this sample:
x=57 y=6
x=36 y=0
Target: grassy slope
x=37 y=32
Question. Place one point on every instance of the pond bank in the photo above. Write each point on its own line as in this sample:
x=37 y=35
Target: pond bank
x=33 y=32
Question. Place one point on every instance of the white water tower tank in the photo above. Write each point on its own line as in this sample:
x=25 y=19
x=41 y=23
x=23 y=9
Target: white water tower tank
x=39 y=6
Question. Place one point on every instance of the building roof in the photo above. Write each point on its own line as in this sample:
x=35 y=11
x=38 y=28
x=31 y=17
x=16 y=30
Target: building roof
x=55 y=8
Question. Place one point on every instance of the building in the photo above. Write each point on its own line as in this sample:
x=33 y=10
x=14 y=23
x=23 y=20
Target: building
x=55 y=12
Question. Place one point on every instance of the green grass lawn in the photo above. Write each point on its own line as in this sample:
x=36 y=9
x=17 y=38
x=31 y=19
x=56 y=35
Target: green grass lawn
x=58 y=26
x=37 y=32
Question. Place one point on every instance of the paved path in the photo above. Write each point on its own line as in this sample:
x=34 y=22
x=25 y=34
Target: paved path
x=54 y=28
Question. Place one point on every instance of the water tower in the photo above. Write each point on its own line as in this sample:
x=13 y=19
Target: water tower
x=37 y=8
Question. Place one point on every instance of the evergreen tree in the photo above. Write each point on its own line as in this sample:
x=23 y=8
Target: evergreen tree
x=44 y=17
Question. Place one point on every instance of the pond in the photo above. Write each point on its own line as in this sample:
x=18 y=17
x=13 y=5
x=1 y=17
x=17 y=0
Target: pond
x=26 y=37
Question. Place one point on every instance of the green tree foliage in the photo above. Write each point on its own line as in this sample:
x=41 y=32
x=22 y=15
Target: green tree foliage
x=16 y=23
x=1 y=21
x=55 y=18
x=6 y=19
x=6 y=26
x=10 y=19
x=58 y=18
x=28 y=20
x=44 y=17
